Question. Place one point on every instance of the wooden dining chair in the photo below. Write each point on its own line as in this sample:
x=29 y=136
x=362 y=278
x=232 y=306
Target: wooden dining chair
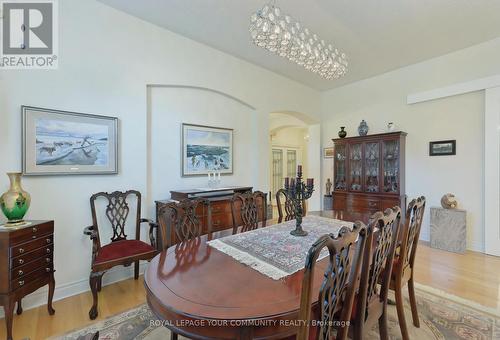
x=404 y=260
x=121 y=251
x=286 y=209
x=180 y=221
x=248 y=209
x=338 y=288
x=371 y=301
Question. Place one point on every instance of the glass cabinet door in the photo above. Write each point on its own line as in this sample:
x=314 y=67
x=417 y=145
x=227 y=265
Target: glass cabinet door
x=391 y=166
x=340 y=182
x=356 y=167
x=372 y=167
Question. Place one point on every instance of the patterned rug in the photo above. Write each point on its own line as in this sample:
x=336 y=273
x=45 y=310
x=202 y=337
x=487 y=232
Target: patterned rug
x=272 y=251
x=442 y=316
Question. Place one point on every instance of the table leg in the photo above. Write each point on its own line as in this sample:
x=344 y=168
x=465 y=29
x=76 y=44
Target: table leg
x=52 y=286
x=8 y=307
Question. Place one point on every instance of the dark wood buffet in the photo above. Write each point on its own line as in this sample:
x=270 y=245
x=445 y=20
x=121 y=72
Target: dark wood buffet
x=220 y=205
x=369 y=172
x=26 y=264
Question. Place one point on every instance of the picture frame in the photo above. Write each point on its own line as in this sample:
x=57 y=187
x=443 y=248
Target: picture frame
x=205 y=149
x=443 y=148
x=56 y=142
x=328 y=152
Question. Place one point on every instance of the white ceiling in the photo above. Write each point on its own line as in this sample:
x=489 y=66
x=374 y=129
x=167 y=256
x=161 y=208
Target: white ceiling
x=377 y=35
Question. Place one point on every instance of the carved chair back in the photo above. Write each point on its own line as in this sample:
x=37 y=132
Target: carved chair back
x=411 y=232
x=286 y=210
x=246 y=206
x=339 y=284
x=183 y=219
x=117 y=212
x=377 y=263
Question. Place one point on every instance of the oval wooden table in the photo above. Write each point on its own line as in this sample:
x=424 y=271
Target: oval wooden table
x=202 y=293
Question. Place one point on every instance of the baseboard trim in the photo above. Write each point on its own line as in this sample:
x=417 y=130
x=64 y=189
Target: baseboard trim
x=39 y=297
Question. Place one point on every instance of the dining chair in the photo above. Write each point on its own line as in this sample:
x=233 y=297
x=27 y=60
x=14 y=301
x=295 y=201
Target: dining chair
x=180 y=221
x=371 y=302
x=286 y=209
x=121 y=251
x=404 y=260
x=336 y=295
x=248 y=209
x=183 y=220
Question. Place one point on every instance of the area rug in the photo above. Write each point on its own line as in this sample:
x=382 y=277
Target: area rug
x=272 y=251
x=442 y=316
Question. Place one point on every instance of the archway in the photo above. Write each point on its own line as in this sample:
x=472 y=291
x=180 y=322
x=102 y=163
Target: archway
x=294 y=138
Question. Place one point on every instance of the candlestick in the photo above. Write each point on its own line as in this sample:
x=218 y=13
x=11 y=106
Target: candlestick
x=297 y=191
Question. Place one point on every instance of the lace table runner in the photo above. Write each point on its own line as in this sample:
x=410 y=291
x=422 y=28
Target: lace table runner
x=272 y=251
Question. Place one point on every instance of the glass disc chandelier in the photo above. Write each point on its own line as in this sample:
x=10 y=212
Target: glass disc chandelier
x=286 y=37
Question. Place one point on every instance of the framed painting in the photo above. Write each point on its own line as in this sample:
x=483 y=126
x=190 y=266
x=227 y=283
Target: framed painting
x=328 y=152
x=66 y=143
x=443 y=148
x=205 y=149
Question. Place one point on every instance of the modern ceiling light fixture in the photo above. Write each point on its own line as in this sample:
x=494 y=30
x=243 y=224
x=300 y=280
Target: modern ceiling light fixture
x=286 y=37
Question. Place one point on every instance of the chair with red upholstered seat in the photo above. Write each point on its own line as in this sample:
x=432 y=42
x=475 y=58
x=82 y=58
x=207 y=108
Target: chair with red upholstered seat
x=121 y=251
x=336 y=296
x=404 y=260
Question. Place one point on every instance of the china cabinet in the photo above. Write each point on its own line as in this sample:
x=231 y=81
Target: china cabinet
x=369 y=172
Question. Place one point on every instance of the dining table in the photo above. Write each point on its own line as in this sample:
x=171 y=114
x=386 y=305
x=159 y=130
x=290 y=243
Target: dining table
x=200 y=292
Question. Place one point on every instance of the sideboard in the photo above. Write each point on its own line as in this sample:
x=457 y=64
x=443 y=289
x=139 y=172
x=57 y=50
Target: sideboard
x=220 y=204
x=369 y=172
x=26 y=264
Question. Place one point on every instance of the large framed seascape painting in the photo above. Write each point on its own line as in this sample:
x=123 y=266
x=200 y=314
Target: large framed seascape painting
x=60 y=142
x=206 y=149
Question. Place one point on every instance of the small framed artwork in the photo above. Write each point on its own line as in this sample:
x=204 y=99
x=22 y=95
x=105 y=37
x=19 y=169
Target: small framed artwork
x=443 y=148
x=66 y=143
x=328 y=152
x=206 y=148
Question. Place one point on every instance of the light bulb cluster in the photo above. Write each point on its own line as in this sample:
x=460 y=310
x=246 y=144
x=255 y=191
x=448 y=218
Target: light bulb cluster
x=286 y=37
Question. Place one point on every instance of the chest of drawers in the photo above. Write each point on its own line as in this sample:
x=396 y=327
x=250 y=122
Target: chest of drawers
x=26 y=264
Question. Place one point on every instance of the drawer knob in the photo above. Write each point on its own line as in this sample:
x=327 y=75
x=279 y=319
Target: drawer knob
x=20 y=273
x=20 y=261
x=48 y=240
x=21 y=282
x=47 y=260
x=35 y=229
x=21 y=250
x=47 y=270
x=48 y=250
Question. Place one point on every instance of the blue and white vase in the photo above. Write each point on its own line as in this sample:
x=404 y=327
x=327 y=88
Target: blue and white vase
x=363 y=128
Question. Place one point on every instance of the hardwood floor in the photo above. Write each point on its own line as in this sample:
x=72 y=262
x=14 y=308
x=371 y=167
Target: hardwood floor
x=472 y=276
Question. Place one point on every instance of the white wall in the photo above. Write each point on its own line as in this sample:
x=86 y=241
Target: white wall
x=382 y=99
x=107 y=59
x=170 y=107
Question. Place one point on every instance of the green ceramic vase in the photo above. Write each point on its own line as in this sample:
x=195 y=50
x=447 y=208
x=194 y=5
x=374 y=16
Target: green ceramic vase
x=15 y=202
